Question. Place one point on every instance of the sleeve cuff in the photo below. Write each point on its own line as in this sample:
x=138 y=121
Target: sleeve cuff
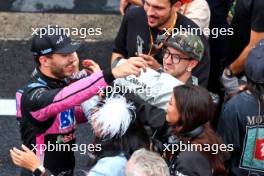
x=108 y=76
x=114 y=64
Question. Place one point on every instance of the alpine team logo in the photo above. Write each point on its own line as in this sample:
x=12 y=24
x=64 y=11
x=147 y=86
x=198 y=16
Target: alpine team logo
x=59 y=40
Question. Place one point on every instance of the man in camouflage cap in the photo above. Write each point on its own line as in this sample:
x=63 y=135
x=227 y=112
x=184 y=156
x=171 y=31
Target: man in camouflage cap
x=182 y=53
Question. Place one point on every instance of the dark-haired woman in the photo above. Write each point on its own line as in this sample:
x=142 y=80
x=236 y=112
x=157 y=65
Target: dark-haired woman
x=186 y=122
x=188 y=113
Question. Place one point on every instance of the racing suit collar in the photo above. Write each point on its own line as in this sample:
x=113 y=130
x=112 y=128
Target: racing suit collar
x=51 y=82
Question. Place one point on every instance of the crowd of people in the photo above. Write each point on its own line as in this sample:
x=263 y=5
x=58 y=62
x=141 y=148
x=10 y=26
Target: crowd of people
x=191 y=104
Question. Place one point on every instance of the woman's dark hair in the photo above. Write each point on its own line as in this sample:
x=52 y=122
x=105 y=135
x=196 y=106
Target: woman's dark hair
x=135 y=138
x=195 y=108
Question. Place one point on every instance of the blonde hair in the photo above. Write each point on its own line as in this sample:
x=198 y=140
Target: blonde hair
x=144 y=162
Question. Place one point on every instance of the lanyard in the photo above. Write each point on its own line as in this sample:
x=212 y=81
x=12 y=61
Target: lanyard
x=154 y=48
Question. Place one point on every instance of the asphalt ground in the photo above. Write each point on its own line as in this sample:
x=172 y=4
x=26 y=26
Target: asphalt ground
x=61 y=6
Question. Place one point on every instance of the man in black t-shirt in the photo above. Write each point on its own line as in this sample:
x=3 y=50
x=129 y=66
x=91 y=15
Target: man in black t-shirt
x=141 y=26
x=248 y=25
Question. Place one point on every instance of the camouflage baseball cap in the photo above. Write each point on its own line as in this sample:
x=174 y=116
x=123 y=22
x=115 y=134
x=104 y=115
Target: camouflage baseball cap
x=188 y=43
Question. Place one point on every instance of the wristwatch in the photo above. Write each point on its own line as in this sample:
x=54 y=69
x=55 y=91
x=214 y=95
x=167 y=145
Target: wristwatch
x=39 y=171
x=229 y=72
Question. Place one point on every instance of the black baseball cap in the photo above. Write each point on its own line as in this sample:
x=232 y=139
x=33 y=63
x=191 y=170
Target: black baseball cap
x=50 y=40
x=254 y=67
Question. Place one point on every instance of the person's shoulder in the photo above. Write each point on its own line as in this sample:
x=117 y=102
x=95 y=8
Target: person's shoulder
x=31 y=87
x=135 y=12
x=192 y=156
x=105 y=166
x=201 y=8
x=193 y=162
x=184 y=22
x=242 y=97
x=118 y=160
x=200 y=3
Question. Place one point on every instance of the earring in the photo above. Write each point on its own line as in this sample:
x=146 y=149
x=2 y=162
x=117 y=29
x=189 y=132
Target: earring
x=189 y=69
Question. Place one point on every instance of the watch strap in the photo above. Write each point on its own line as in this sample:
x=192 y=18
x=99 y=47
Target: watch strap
x=39 y=171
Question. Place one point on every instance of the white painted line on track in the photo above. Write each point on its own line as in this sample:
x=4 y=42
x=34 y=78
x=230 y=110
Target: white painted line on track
x=7 y=107
x=29 y=38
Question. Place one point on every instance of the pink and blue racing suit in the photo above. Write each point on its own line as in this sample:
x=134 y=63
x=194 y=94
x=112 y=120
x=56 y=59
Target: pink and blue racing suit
x=48 y=111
